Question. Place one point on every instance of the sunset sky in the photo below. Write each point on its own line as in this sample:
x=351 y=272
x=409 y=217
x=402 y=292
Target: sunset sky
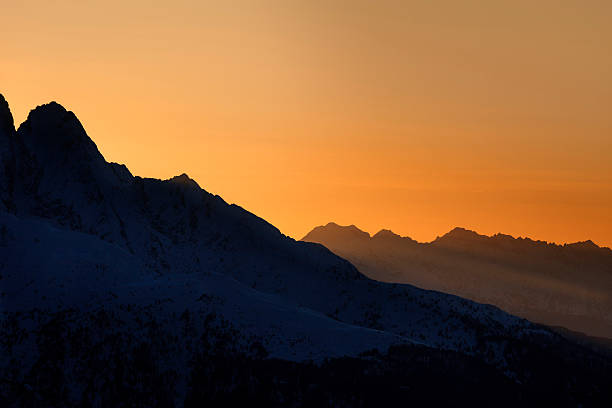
x=416 y=116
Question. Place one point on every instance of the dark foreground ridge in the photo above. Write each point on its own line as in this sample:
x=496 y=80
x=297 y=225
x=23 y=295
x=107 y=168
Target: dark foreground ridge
x=118 y=289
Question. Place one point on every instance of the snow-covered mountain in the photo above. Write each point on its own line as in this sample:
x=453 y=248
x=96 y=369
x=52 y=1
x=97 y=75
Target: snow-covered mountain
x=560 y=285
x=139 y=278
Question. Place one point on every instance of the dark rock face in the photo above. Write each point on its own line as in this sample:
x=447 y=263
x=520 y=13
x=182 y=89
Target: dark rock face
x=6 y=118
x=56 y=141
x=122 y=288
x=7 y=165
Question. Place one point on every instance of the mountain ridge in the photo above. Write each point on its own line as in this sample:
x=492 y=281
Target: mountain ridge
x=567 y=285
x=162 y=222
x=112 y=283
x=455 y=233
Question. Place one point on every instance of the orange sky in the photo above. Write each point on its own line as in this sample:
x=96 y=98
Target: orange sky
x=412 y=116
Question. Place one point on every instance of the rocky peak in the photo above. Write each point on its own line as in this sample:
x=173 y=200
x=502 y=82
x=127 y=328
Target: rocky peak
x=459 y=232
x=388 y=237
x=52 y=133
x=386 y=232
x=184 y=179
x=7 y=126
x=334 y=230
x=349 y=229
x=458 y=236
x=56 y=151
x=585 y=245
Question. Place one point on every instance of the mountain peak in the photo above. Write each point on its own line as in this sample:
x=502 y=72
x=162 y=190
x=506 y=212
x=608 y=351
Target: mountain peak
x=184 y=179
x=386 y=233
x=349 y=228
x=461 y=230
x=331 y=228
x=54 y=133
x=588 y=244
x=6 y=118
x=52 y=113
x=459 y=234
x=49 y=107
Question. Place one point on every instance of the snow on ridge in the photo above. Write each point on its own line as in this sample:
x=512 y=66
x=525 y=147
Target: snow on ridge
x=110 y=235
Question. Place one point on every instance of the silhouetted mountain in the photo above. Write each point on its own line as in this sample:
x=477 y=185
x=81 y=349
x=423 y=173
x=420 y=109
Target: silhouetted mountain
x=561 y=285
x=7 y=131
x=122 y=290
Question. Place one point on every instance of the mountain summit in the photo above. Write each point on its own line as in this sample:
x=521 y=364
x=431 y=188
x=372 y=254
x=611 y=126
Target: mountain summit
x=52 y=132
x=459 y=234
x=7 y=125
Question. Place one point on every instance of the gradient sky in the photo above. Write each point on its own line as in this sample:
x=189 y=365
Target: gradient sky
x=416 y=116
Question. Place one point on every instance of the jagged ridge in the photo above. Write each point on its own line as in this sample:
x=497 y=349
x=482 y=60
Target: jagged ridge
x=87 y=244
x=566 y=285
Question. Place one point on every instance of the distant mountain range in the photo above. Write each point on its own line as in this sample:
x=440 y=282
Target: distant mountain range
x=122 y=290
x=560 y=285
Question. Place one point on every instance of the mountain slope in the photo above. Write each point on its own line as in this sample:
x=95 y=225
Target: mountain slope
x=99 y=266
x=175 y=227
x=562 y=285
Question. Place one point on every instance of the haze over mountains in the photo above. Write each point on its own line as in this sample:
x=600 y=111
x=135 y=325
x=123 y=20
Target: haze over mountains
x=121 y=289
x=561 y=285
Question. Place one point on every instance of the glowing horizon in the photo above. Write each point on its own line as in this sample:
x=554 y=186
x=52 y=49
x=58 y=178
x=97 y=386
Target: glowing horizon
x=399 y=115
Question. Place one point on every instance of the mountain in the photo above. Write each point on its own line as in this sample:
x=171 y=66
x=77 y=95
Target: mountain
x=560 y=285
x=122 y=290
